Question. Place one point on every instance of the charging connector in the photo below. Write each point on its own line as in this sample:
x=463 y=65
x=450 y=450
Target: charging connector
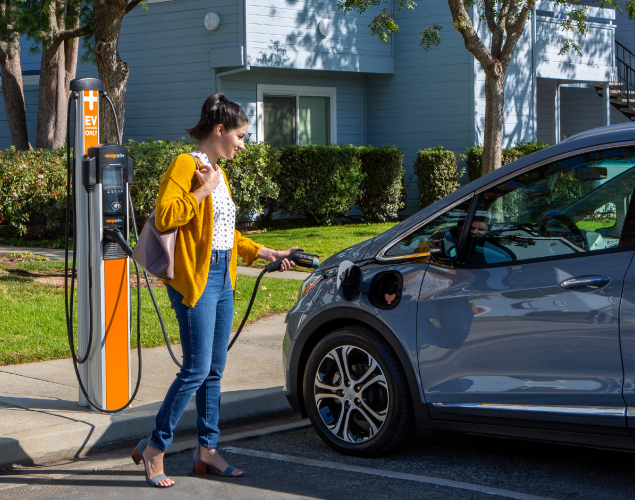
x=116 y=236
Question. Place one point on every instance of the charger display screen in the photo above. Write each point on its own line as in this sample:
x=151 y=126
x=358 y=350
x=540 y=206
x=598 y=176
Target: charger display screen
x=113 y=177
x=114 y=190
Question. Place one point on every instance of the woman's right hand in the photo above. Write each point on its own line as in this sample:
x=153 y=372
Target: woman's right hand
x=209 y=179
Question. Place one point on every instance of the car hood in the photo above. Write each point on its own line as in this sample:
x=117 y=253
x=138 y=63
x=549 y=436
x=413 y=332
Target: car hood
x=354 y=254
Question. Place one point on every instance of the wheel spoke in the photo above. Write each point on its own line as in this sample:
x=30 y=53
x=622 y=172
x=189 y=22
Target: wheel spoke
x=326 y=387
x=377 y=379
x=319 y=397
x=347 y=420
x=336 y=428
x=345 y=350
x=381 y=416
x=373 y=427
x=335 y=357
x=371 y=369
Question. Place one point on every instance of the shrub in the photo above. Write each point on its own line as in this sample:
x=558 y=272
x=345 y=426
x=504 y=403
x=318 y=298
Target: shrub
x=317 y=182
x=33 y=190
x=474 y=156
x=151 y=160
x=383 y=190
x=437 y=174
x=251 y=176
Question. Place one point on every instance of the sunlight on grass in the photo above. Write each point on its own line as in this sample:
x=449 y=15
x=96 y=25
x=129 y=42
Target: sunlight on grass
x=324 y=241
x=33 y=326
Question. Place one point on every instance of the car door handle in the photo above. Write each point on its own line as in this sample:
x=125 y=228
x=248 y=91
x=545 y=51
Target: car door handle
x=594 y=282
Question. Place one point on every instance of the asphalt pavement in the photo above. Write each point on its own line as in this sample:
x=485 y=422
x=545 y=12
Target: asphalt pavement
x=295 y=464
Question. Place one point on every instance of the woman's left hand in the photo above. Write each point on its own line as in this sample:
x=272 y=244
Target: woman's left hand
x=273 y=255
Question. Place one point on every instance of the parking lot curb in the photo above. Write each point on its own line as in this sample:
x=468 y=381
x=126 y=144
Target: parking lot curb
x=77 y=439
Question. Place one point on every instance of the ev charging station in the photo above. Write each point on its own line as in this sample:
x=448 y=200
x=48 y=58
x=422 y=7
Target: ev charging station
x=101 y=174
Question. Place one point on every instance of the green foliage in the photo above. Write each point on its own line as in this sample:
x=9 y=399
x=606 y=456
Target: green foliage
x=33 y=188
x=151 y=160
x=317 y=182
x=437 y=174
x=383 y=25
x=251 y=176
x=431 y=37
x=473 y=156
x=383 y=190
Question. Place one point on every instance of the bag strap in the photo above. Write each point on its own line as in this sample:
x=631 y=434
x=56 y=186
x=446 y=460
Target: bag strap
x=194 y=179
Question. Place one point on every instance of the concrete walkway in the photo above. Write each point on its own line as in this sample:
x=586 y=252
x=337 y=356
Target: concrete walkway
x=55 y=254
x=40 y=419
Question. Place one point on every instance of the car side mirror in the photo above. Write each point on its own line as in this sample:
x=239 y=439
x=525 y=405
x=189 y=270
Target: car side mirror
x=443 y=247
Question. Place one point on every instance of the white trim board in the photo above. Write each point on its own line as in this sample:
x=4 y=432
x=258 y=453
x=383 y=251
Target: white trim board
x=299 y=90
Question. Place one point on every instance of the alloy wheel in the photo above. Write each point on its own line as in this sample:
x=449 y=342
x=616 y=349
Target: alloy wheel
x=351 y=394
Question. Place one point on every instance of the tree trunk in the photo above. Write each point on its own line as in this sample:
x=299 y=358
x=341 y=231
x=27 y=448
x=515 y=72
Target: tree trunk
x=47 y=135
x=494 y=121
x=113 y=72
x=13 y=92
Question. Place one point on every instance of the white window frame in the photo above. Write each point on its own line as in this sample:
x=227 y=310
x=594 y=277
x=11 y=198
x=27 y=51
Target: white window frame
x=297 y=91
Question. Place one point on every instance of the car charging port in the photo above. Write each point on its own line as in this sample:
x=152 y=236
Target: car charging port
x=385 y=290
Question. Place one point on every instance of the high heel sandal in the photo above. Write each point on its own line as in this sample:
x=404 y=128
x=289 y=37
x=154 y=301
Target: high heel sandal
x=137 y=456
x=201 y=468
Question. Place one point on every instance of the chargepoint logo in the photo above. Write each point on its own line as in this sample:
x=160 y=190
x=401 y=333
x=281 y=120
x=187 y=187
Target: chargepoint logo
x=118 y=155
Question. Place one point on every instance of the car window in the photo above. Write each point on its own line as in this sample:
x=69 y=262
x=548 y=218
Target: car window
x=575 y=205
x=417 y=241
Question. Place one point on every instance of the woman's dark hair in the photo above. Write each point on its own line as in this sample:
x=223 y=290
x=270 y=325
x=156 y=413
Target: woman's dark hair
x=217 y=110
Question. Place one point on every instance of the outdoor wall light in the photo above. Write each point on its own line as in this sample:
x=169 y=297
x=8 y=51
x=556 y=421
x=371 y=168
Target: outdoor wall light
x=325 y=27
x=212 y=21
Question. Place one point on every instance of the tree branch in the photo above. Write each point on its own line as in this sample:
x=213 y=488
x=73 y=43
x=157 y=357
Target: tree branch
x=514 y=34
x=498 y=35
x=72 y=33
x=463 y=24
x=489 y=15
x=131 y=6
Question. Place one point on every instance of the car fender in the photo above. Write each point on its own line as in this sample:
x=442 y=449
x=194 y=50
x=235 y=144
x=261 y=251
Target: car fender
x=322 y=324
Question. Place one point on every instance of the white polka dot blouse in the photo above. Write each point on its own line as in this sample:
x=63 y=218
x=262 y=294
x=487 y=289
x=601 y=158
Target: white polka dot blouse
x=224 y=211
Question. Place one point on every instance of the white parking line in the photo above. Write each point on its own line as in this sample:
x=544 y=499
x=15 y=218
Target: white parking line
x=385 y=473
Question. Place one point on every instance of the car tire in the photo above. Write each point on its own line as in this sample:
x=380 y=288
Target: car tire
x=369 y=413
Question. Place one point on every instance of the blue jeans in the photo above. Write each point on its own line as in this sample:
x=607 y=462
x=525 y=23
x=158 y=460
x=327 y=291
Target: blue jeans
x=204 y=330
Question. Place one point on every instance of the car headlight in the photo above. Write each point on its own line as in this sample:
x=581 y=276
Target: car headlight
x=314 y=279
x=309 y=283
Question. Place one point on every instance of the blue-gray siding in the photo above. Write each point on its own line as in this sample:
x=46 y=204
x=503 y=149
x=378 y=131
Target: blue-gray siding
x=427 y=101
x=284 y=34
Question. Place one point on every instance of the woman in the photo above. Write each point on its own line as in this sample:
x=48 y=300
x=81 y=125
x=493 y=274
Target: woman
x=199 y=203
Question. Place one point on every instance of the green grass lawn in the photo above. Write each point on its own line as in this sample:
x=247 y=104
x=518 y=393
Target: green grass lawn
x=33 y=328
x=324 y=241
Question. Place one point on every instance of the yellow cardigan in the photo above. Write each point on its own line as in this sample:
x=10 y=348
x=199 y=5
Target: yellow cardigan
x=178 y=207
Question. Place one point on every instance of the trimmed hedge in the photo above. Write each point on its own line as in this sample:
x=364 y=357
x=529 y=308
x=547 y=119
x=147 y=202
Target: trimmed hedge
x=383 y=189
x=473 y=156
x=151 y=159
x=33 y=190
x=437 y=174
x=317 y=182
x=251 y=176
